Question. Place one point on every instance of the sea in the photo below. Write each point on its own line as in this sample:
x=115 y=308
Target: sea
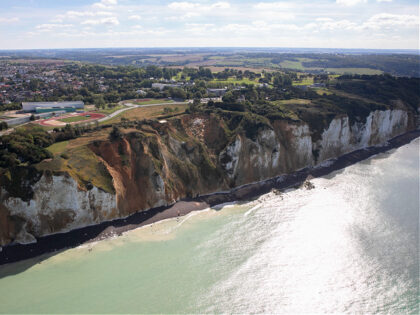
x=349 y=245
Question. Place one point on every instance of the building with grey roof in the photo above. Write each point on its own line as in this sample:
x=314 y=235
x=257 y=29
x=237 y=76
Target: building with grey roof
x=32 y=106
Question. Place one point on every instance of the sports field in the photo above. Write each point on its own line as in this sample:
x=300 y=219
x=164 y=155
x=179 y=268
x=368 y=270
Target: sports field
x=73 y=118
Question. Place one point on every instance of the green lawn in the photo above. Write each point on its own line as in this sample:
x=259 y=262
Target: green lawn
x=110 y=110
x=305 y=81
x=58 y=147
x=231 y=81
x=74 y=119
x=293 y=101
x=153 y=101
x=322 y=91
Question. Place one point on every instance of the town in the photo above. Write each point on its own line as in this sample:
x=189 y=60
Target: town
x=104 y=89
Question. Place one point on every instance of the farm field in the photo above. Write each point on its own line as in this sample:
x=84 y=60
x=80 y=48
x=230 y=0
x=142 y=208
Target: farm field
x=354 y=71
x=296 y=64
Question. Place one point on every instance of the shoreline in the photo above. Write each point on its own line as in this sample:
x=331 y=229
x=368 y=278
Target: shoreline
x=61 y=241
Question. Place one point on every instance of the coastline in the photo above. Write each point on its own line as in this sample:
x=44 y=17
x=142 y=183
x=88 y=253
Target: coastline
x=60 y=241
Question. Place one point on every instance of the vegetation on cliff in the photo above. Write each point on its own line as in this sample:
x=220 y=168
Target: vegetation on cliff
x=181 y=143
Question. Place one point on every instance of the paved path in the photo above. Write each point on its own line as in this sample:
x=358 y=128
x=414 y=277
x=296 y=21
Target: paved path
x=128 y=107
x=132 y=106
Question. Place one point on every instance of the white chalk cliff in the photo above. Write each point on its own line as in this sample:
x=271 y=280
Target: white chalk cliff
x=59 y=204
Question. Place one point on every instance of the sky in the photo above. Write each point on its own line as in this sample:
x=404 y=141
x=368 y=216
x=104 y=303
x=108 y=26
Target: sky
x=373 y=24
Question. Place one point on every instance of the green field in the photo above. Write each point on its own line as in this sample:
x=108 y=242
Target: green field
x=74 y=119
x=322 y=91
x=110 y=110
x=367 y=71
x=58 y=147
x=305 y=81
x=231 y=81
x=153 y=101
x=297 y=65
x=82 y=164
x=293 y=101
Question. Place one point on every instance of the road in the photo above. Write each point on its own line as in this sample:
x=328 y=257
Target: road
x=116 y=113
x=132 y=106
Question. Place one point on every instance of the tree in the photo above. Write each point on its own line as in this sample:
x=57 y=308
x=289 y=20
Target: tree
x=115 y=133
x=34 y=84
x=99 y=102
x=228 y=97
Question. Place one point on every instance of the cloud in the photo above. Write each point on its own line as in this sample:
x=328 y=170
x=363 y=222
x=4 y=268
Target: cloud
x=273 y=5
x=198 y=28
x=105 y=4
x=258 y=27
x=75 y=14
x=193 y=6
x=220 y=5
x=183 y=17
x=51 y=26
x=9 y=20
x=337 y=25
x=134 y=17
x=274 y=10
x=383 y=0
x=381 y=21
x=387 y=20
x=183 y=5
x=350 y=2
x=106 y=21
x=324 y=19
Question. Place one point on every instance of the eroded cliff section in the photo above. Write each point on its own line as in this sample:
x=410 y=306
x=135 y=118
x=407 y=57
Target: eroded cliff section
x=160 y=163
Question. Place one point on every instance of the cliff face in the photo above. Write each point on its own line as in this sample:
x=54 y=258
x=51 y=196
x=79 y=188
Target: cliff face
x=162 y=163
x=57 y=205
x=342 y=137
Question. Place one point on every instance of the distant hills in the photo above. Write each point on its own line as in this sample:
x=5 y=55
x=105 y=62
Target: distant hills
x=312 y=60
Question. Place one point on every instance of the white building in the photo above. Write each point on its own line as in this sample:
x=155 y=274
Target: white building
x=161 y=86
x=31 y=106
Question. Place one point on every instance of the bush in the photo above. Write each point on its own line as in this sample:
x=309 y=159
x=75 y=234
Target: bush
x=24 y=146
x=115 y=134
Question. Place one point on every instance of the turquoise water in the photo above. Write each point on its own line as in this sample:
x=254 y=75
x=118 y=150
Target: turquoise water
x=349 y=245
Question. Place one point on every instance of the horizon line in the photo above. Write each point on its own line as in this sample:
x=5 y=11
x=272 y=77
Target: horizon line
x=219 y=47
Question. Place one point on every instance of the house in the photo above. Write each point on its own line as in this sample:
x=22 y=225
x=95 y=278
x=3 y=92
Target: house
x=141 y=92
x=217 y=92
x=161 y=86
